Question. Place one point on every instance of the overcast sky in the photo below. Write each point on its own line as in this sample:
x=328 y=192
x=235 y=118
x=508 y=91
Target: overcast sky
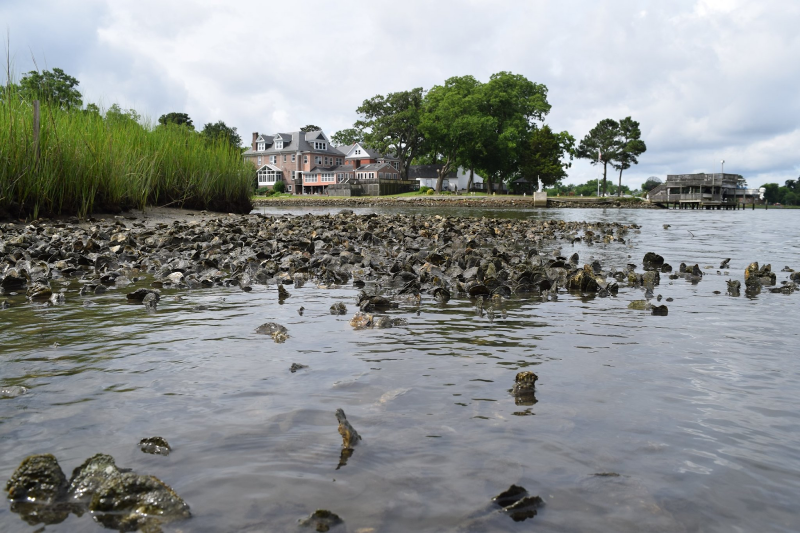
x=707 y=79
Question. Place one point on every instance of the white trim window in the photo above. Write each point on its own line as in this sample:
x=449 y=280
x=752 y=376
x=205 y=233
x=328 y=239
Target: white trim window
x=261 y=146
x=327 y=177
x=305 y=159
x=326 y=160
x=289 y=188
x=279 y=145
x=338 y=160
x=273 y=159
x=267 y=176
x=293 y=158
x=259 y=160
x=372 y=175
x=318 y=159
x=284 y=158
x=358 y=152
x=320 y=145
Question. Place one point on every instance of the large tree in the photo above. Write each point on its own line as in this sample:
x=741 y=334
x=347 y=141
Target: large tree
x=117 y=115
x=631 y=147
x=391 y=124
x=220 y=131
x=179 y=119
x=601 y=145
x=451 y=122
x=347 y=136
x=651 y=183
x=309 y=128
x=55 y=87
x=547 y=155
x=513 y=104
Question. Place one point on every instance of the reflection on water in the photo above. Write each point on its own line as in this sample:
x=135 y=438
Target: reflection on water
x=696 y=411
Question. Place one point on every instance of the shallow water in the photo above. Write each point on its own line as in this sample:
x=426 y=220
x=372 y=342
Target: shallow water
x=698 y=412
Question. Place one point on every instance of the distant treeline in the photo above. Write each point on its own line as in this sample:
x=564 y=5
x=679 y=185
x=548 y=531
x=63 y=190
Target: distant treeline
x=84 y=160
x=788 y=194
x=495 y=128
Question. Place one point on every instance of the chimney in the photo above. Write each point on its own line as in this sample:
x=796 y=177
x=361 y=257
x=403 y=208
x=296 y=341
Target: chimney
x=255 y=136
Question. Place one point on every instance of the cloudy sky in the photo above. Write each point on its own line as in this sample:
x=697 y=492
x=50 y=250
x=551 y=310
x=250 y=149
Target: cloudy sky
x=707 y=79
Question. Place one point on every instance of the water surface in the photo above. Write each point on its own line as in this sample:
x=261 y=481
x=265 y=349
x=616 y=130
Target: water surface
x=698 y=412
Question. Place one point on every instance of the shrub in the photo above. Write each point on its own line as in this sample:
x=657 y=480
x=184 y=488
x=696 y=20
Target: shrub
x=263 y=191
x=424 y=189
x=430 y=192
x=279 y=187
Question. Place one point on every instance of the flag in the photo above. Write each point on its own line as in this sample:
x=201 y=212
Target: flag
x=599 y=156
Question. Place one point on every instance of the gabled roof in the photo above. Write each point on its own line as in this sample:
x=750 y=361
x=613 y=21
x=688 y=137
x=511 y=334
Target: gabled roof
x=316 y=135
x=416 y=172
x=375 y=166
x=297 y=141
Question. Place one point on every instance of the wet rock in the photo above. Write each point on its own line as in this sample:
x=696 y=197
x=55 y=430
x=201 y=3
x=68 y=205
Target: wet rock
x=525 y=382
x=322 y=520
x=734 y=286
x=150 y=301
x=90 y=476
x=375 y=303
x=278 y=333
x=361 y=321
x=155 y=446
x=517 y=504
x=666 y=268
x=39 y=291
x=338 y=309
x=652 y=261
x=139 y=294
x=441 y=295
x=12 y=391
x=651 y=278
x=131 y=501
x=57 y=298
x=639 y=305
x=282 y=293
x=4 y=304
x=296 y=366
x=584 y=280
x=39 y=479
x=725 y=263
x=301 y=310
x=660 y=310
x=350 y=436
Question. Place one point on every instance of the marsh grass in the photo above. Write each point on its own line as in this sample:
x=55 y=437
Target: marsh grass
x=85 y=163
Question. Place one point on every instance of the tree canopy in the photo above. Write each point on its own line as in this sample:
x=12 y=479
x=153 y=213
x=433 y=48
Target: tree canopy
x=347 y=137
x=391 y=124
x=631 y=146
x=547 y=155
x=512 y=103
x=178 y=119
x=55 y=87
x=651 y=183
x=452 y=123
x=220 y=131
x=310 y=128
x=601 y=145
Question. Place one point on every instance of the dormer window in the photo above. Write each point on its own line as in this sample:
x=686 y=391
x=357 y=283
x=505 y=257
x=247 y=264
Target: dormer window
x=261 y=146
x=279 y=145
x=358 y=151
x=320 y=145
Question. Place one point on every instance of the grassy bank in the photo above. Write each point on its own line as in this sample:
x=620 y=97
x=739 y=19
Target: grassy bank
x=85 y=163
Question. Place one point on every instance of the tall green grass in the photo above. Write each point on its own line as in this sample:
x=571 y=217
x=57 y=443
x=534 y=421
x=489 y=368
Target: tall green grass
x=85 y=163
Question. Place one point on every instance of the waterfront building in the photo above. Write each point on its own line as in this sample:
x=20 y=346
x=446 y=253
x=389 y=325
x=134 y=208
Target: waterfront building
x=309 y=164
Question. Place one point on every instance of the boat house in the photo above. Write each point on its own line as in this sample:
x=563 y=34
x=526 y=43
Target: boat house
x=702 y=191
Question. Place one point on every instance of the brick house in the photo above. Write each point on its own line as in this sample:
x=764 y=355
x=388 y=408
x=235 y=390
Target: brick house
x=308 y=164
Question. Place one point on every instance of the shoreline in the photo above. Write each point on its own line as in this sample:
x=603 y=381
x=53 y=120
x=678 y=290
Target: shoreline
x=451 y=201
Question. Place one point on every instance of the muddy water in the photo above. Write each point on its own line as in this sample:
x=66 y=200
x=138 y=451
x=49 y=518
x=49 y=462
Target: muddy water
x=698 y=412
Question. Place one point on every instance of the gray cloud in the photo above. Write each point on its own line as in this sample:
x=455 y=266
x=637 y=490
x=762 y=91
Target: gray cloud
x=707 y=79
